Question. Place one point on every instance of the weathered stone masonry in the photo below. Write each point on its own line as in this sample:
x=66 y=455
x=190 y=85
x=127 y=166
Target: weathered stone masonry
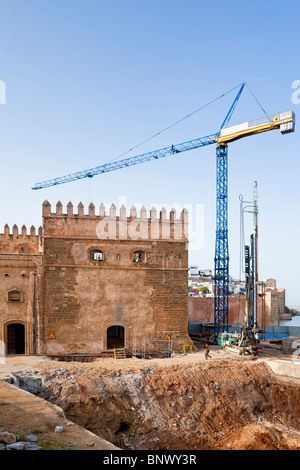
x=20 y=261
x=91 y=293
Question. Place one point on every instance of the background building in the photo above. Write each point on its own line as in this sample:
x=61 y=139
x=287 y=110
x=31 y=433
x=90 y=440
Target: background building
x=201 y=301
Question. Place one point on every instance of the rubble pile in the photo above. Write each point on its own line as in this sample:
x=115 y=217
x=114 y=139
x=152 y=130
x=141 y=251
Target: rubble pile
x=187 y=404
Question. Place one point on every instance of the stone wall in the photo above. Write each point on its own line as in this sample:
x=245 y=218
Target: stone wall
x=201 y=309
x=83 y=297
x=19 y=302
x=16 y=241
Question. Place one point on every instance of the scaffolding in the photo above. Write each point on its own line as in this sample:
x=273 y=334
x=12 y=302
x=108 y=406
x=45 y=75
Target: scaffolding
x=156 y=348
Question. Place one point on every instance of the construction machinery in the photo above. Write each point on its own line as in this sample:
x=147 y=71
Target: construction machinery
x=246 y=340
x=284 y=121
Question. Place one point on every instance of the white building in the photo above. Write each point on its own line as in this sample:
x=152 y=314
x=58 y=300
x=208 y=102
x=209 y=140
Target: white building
x=193 y=271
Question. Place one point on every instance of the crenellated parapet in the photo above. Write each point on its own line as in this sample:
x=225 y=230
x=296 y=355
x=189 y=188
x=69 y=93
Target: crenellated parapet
x=111 y=224
x=22 y=240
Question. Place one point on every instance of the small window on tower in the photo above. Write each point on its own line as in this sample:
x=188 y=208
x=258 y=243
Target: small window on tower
x=15 y=296
x=97 y=256
x=139 y=257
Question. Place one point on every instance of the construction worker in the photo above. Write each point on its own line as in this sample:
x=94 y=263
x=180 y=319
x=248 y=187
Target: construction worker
x=207 y=351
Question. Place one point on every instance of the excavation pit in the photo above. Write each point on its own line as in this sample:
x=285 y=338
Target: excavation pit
x=182 y=403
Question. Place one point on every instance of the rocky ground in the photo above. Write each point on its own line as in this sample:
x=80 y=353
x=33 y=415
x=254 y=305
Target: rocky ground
x=181 y=403
x=26 y=420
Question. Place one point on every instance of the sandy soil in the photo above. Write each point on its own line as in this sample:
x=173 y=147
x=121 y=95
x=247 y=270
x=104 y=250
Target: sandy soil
x=23 y=413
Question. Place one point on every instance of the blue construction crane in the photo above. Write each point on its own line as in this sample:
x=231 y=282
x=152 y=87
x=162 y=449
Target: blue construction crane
x=284 y=121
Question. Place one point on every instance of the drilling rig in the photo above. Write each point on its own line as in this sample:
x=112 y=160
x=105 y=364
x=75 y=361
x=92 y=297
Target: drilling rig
x=246 y=341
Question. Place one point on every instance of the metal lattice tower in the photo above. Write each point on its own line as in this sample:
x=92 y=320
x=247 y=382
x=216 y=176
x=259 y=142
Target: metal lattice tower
x=221 y=247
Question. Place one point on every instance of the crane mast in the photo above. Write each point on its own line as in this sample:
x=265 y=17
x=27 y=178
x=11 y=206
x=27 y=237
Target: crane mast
x=221 y=272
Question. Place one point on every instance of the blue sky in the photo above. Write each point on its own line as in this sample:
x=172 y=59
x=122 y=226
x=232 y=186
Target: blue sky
x=88 y=80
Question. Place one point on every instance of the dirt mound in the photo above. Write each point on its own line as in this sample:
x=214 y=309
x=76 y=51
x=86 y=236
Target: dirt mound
x=263 y=437
x=178 y=404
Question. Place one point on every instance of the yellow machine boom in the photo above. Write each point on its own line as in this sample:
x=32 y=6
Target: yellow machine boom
x=285 y=121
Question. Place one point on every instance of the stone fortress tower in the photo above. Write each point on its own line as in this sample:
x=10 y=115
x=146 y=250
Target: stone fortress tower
x=95 y=281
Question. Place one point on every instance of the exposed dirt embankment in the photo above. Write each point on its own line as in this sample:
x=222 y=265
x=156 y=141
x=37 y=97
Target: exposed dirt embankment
x=187 y=405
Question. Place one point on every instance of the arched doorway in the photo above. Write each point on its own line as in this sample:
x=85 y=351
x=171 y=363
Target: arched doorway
x=115 y=337
x=15 y=338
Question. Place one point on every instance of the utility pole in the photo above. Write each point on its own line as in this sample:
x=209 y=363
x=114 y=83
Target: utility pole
x=255 y=262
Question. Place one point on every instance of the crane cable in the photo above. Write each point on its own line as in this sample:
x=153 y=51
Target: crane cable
x=174 y=124
x=186 y=117
x=258 y=102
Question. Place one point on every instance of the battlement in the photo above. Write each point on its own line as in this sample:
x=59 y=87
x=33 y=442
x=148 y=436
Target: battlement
x=16 y=241
x=107 y=224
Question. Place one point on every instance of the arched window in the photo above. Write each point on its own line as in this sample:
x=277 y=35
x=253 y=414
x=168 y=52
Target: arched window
x=139 y=257
x=97 y=255
x=14 y=295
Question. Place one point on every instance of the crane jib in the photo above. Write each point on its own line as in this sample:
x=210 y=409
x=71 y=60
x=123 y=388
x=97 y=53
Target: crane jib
x=189 y=145
x=154 y=155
